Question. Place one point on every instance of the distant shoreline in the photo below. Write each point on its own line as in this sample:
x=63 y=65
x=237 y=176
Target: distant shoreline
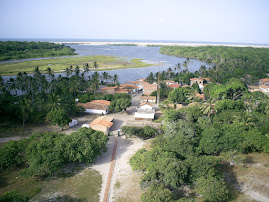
x=105 y=43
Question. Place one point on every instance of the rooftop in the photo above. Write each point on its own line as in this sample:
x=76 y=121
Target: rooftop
x=104 y=121
x=145 y=103
x=265 y=80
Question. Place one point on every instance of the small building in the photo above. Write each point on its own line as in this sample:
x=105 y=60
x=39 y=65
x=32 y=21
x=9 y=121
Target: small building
x=96 y=106
x=129 y=87
x=116 y=89
x=169 y=82
x=199 y=81
x=148 y=89
x=140 y=83
x=108 y=90
x=264 y=85
x=151 y=99
x=102 y=123
x=144 y=114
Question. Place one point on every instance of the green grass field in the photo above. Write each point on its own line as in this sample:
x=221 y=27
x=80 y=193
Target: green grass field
x=59 y=64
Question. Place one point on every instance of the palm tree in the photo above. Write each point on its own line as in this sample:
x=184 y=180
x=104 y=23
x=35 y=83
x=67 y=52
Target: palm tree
x=208 y=108
x=185 y=64
x=67 y=71
x=50 y=72
x=178 y=66
x=95 y=65
x=95 y=81
x=77 y=71
x=115 y=78
x=26 y=109
x=87 y=68
x=105 y=76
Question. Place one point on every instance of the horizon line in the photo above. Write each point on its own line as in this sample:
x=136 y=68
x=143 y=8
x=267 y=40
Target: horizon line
x=139 y=40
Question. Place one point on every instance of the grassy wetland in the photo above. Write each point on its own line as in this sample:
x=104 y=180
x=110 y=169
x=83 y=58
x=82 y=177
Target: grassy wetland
x=60 y=64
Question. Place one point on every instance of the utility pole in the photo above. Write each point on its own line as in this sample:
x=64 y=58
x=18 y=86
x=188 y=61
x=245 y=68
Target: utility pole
x=158 y=84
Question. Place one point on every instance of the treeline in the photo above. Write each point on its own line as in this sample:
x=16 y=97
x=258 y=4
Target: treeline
x=201 y=139
x=228 y=62
x=10 y=50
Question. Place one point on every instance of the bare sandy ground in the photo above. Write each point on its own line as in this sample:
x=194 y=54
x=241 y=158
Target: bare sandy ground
x=164 y=44
x=125 y=182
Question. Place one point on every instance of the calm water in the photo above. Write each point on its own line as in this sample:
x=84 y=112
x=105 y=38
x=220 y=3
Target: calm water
x=148 y=54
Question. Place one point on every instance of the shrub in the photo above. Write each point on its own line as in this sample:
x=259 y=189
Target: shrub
x=157 y=193
x=13 y=196
x=143 y=133
x=212 y=188
x=12 y=154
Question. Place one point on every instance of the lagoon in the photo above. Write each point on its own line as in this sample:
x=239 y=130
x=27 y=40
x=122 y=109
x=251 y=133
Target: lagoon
x=148 y=54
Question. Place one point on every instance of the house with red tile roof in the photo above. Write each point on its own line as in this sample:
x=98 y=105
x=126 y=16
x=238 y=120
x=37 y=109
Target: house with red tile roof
x=264 y=85
x=102 y=123
x=148 y=89
x=140 y=83
x=96 y=106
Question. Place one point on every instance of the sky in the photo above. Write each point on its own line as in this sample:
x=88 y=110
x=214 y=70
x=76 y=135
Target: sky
x=239 y=21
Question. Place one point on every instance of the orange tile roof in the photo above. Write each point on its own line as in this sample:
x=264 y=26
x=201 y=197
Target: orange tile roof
x=101 y=102
x=169 y=81
x=127 y=85
x=103 y=121
x=145 y=103
x=186 y=86
x=201 y=96
x=174 y=85
x=147 y=98
x=108 y=88
x=96 y=104
x=265 y=80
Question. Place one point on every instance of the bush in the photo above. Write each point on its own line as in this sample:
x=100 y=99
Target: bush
x=119 y=105
x=212 y=188
x=13 y=196
x=12 y=154
x=43 y=154
x=157 y=193
x=84 y=145
x=58 y=117
x=143 y=133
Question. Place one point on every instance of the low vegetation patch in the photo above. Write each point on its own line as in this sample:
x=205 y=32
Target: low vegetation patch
x=10 y=50
x=143 y=133
x=60 y=64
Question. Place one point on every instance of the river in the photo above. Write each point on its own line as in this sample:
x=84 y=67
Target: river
x=148 y=54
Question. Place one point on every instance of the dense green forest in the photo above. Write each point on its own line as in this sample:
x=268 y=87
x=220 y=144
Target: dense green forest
x=199 y=141
x=11 y=50
x=227 y=62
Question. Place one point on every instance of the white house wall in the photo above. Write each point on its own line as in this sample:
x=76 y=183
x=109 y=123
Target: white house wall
x=144 y=116
x=146 y=107
x=96 y=111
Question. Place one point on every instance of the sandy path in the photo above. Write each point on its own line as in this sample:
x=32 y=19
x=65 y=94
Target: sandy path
x=127 y=181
